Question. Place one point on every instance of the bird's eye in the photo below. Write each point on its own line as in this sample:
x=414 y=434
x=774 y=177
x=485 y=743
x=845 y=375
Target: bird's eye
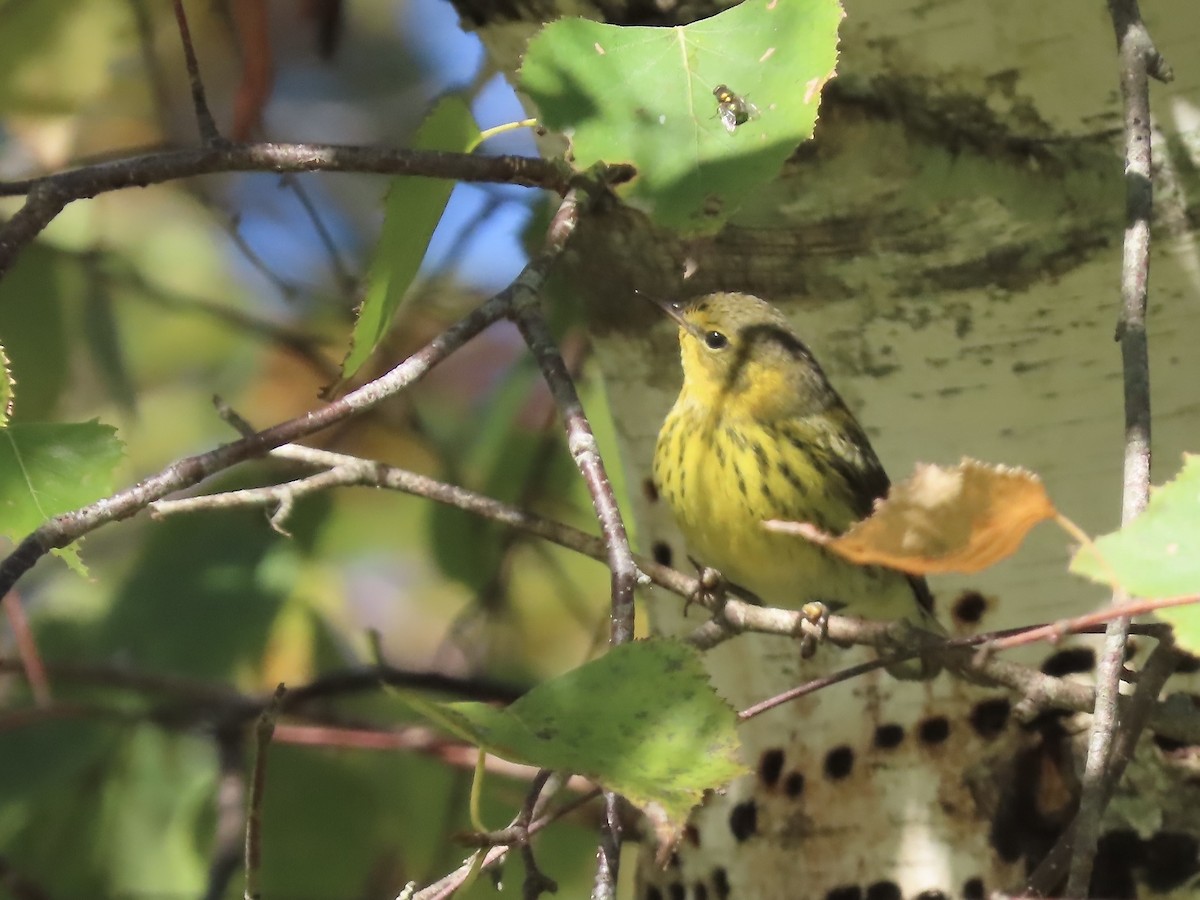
x=715 y=340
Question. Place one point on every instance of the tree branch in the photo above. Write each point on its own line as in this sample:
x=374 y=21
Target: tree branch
x=220 y=704
x=581 y=440
x=43 y=203
x=449 y=885
x=536 y=881
x=732 y=616
x=1138 y=713
x=69 y=527
x=1137 y=57
x=49 y=194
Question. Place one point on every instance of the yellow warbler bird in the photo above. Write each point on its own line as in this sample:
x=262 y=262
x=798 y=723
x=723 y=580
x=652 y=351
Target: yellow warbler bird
x=758 y=433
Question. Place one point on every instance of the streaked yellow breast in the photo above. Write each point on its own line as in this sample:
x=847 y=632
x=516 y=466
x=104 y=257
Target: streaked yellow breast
x=723 y=479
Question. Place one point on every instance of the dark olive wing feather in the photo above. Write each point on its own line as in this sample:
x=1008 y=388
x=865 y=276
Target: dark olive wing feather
x=861 y=481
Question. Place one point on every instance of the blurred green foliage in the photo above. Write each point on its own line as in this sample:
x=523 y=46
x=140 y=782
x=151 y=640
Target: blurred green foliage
x=414 y=208
x=135 y=308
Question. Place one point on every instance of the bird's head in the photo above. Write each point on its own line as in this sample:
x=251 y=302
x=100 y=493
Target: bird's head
x=739 y=351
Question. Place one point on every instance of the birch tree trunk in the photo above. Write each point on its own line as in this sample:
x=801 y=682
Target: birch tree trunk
x=950 y=247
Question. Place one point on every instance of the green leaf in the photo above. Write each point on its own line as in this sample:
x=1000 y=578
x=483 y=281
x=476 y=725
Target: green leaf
x=229 y=576
x=54 y=54
x=494 y=453
x=128 y=788
x=331 y=818
x=158 y=787
x=7 y=383
x=645 y=96
x=641 y=720
x=414 y=208
x=47 y=469
x=36 y=758
x=32 y=297
x=101 y=334
x=1158 y=553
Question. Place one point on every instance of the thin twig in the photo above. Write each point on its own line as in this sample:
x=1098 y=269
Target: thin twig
x=204 y=118
x=581 y=441
x=536 y=881
x=47 y=195
x=1136 y=52
x=332 y=684
x=448 y=885
x=65 y=529
x=1105 y=722
x=281 y=497
x=1057 y=630
x=288 y=289
x=12 y=720
x=196 y=705
x=258 y=786
x=231 y=804
x=608 y=853
x=341 y=272
x=27 y=649
x=415 y=739
x=816 y=684
x=1136 y=714
x=470 y=229
x=200 y=705
x=232 y=221
x=732 y=616
x=354 y=470
x=215 y=702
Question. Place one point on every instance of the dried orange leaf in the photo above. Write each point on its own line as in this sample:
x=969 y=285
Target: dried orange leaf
x=943 y=519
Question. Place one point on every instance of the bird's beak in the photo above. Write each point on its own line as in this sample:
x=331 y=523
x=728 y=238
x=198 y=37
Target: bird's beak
x=673 y=311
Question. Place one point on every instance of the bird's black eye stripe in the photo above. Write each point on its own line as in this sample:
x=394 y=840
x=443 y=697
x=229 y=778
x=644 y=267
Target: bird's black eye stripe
x=715 y=340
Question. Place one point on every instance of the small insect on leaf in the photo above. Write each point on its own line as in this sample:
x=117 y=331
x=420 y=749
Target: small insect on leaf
x=733 y=109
